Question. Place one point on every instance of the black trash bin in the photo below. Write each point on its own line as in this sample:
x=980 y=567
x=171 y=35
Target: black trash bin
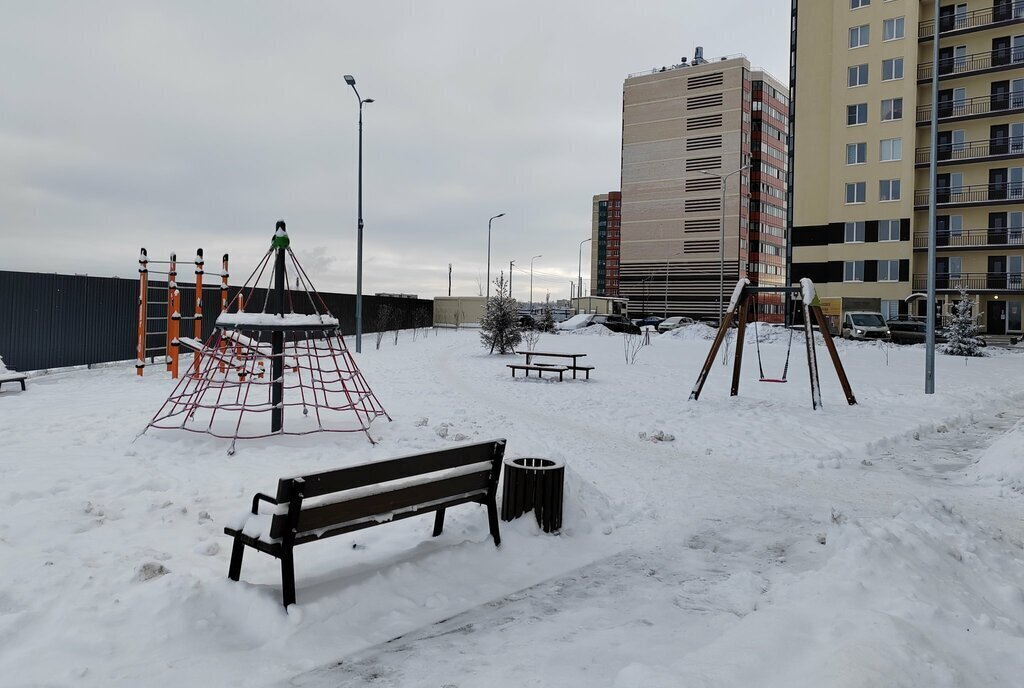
x=536 y=484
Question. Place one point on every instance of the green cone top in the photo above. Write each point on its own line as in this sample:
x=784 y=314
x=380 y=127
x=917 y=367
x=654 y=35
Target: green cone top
x=280 y=239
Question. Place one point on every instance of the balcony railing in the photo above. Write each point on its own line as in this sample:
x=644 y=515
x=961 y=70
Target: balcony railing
x=972 y=20
x=972 y=281
x=993 y=237
x=972 y=150
x=973 y=107
x=965 y=65
x=966 y=195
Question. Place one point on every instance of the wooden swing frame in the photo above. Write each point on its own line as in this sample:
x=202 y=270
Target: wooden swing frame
x=740 y=310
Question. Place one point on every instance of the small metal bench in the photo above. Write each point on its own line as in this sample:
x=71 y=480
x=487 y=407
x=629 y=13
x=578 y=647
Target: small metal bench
x=540 y=368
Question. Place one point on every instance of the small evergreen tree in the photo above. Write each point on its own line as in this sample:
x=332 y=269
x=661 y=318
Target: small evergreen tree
x=499 y=328
x=962 y=336
x=547 y=320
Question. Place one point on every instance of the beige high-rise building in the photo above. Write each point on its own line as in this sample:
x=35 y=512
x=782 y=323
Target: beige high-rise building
x=685 y=128
x=861 y=154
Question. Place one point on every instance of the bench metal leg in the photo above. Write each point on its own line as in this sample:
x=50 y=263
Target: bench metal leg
x=492 y=519
x=288 y=577
x=237 y=550
x=22 y=385
x=438 y=522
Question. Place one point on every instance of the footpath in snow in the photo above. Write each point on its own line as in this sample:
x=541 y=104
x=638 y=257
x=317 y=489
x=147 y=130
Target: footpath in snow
x=767 y=544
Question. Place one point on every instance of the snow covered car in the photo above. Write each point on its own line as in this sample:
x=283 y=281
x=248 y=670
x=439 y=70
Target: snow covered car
x=673 y=322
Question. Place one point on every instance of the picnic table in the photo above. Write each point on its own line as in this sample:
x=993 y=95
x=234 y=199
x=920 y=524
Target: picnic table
x=539 y=367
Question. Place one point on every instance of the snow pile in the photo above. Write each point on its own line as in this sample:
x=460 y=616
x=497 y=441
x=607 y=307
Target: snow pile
x=3 y=368
x=1003 y=461
x=592 y=331
x=923 y=598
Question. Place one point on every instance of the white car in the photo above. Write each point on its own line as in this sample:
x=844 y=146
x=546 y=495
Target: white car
x=674 y=322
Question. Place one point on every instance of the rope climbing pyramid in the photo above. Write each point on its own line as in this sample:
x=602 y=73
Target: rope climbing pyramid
x=276 y=363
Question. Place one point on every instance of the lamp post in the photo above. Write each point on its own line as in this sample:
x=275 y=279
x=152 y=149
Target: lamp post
x=510 y=264
x=531 y=281
x=579 y=274
x=721 y=241
x=929 y=337
x=351 y=81
x=489 y=252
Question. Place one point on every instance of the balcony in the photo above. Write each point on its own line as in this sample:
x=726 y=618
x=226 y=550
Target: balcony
x=972 y=151
x=972 y=281
x=979 y=194
x=980 y=106
x=971 y=239
x=978 y=63
x=972 y=21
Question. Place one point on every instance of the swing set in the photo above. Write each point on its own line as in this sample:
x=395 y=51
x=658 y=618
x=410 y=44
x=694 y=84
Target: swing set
x=740 y=309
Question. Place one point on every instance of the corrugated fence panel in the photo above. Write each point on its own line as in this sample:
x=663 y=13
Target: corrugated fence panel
x=56 y=321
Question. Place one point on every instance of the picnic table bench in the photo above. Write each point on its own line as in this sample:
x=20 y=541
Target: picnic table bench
x=11 y=376
x=317 y=506
x=574 y=367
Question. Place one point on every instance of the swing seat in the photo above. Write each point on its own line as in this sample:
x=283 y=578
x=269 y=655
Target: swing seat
x=770 y=379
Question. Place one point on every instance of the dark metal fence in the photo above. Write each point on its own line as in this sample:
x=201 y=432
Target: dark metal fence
x=56 y=321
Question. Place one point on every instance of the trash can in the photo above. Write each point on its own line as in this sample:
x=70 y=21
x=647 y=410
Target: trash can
x=536 y=484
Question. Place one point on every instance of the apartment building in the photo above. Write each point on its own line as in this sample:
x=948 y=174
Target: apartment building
x=690 y=155
x=862 y=82
x=604 y=249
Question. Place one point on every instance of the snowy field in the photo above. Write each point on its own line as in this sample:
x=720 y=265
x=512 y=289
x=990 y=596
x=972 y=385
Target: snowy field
x=763 y=544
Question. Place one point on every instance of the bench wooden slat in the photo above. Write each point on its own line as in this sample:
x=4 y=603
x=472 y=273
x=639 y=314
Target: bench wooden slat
x=339 y=513
x=329 y=482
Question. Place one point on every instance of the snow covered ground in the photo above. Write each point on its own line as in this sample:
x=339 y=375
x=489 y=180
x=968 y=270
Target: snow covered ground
x=765 y=545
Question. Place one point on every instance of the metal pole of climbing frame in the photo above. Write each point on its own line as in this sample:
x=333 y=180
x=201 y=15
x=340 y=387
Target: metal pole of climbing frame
x=140 y=345
x=280 y=244
x=197 y=322
x=172 y=279
x=174 y=306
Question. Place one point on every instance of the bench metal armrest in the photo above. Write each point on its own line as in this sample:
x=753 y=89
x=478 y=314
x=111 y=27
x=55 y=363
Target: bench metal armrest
x=256 y=501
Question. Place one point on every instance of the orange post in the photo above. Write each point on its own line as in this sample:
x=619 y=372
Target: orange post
x=140 y=345
x=197 y=322
x=172 y=285
x=175 y=307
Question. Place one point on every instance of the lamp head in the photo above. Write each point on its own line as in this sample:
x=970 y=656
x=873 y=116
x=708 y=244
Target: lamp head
x=350 y=80
x=367 y=100
x=500 y=215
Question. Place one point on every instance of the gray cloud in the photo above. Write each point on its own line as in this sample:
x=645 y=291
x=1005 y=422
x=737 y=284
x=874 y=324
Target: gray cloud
x=187 y=124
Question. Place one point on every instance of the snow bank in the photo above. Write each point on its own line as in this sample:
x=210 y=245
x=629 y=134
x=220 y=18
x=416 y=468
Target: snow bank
x=1003 y=461
x=3 y=368
x=922 y=598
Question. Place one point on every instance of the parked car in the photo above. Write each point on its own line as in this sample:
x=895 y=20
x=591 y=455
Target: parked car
x=907 y=331
x=864 y=325
x=615 y=323
x=649 y=321
x=674 y=322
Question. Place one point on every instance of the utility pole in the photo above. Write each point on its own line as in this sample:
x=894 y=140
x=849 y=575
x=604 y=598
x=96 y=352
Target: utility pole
x=510 y=264
x=449 y=279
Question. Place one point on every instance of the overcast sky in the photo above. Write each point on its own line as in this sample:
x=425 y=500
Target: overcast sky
x=179 y=125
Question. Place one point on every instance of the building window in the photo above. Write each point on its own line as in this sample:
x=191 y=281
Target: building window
x=955 y=267
x=892 y=29
x=857 y=75
x=892 y=109
x=856 y=192
x=888 y=230
x=892 y=69
x=956 y=225
x=856 y=153
x=855 y=4
x=853 y=271
x=856 y=114
x=891 y=149
x=889 y=271
x=860 y=36
x=854 y=233
x=889 y=190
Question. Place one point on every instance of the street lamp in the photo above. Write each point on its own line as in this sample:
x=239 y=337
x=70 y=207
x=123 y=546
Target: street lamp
x=531 y=281
x=579 y=274
x=721 y=242
x=351 y=81
x=489 y=252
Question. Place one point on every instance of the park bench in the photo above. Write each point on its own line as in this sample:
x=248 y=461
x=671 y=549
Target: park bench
x=11 y=376
x=320 y=505
x=539 y=367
